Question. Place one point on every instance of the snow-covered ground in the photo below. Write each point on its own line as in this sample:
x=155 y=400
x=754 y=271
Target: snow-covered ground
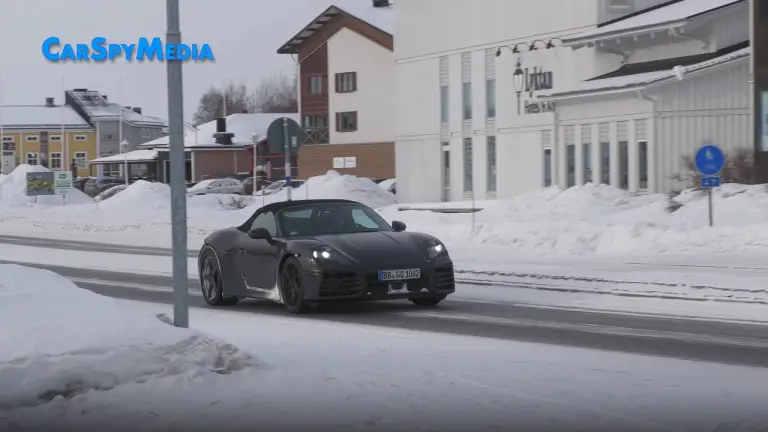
x=587 y=239
x=78 y=361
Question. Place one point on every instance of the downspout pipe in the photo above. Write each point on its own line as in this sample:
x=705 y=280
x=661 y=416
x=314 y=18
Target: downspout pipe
x=654 y=137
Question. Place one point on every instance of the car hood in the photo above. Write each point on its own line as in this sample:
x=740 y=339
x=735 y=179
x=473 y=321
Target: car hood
x=377 y=248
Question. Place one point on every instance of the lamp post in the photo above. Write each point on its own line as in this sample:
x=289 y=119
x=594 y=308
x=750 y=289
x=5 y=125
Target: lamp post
x=517 y=81
x=124 y=146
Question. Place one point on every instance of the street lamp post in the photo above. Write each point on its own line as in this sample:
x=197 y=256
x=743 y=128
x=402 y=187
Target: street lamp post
x=517 y=81
x=124 y=146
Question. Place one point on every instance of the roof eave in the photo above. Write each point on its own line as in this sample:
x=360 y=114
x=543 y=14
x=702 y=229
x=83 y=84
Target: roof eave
x=292 y=45
x=580 y=42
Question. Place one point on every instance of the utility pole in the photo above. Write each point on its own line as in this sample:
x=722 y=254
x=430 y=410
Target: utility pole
x=178 y=172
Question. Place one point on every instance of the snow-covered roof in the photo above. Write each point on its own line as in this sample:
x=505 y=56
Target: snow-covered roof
x=241 y=124
x=627 y=83
x=134 y=156
x=98 y=108
x=41 y=117
x=666 y=17
x=382 y=18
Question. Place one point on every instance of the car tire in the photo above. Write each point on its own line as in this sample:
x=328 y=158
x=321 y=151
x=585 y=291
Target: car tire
x=291 y=291
x=211 y=281
x=427 y=301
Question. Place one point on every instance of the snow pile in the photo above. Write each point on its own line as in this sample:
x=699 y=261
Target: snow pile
x=601 y=220
x=61 y=340
x=13 y=190
x=333 y=185
x=141 y=196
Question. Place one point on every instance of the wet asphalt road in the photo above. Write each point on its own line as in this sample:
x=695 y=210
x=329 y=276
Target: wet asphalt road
x=731 y=343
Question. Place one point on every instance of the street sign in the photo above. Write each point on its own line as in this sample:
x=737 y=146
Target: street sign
x=62 y=182
x=276 y=138
x=709 y=160
x=709 y=182
x=40 y=183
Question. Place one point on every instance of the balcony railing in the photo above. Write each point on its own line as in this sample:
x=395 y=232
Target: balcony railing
x=317 y=135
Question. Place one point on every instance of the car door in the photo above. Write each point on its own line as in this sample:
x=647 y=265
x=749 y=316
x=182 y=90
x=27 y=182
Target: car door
x=257 y=259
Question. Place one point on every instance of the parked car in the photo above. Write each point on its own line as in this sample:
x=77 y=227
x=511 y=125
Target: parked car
x=96 y=185
x=79 y=183
x=279 y=185
x=216 y=186
x=109 y=193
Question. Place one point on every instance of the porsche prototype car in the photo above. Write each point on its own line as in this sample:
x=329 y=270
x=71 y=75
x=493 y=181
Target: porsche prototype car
x=303 y=253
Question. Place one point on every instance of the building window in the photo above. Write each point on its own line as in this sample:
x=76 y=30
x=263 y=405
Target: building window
x=31 y=158
x=491 y=162
x=490 y=98
x=81 y=137
x=8 y=139
x=570 y=155
x=346 y=121
x=467 y=164
x=547 y=167
x=316 y=85
x=32 y=138
x=55 y=161
x=642 y=148
x=444 y=112
x=54 y=138
x=624 y=165
x=80 y=159
x=605 y=153
x=315 y=121
x=586 y=152
x=446 y=171
x=346 y=82
x=466 y=100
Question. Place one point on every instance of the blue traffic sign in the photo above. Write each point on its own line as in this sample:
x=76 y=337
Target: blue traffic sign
x=709 y=160
x=710 y=182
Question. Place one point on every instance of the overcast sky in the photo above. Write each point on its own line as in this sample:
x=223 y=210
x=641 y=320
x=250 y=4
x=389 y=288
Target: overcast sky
x=244 y=36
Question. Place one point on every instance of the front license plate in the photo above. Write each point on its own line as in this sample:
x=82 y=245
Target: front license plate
x=399 y=275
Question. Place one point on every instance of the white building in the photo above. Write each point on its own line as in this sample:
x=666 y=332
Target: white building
x=483 y=114
x=347 y=86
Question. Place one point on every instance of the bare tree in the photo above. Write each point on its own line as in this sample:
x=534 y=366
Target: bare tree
x=238 y=100
x=276 y=94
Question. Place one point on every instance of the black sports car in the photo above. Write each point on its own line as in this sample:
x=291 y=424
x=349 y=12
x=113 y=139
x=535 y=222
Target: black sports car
x=302 y=253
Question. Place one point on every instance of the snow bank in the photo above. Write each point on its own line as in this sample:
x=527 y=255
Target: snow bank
x=601 y=220
x=13 y=190
x=61 y=340
x=334 y=185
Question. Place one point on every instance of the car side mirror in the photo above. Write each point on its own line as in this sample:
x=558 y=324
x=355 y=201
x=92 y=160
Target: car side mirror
x=398 y=226
x=259 y=234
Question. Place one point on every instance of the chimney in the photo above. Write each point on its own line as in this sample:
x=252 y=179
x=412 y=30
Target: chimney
x=81 y=90
x=105 y=98
x=137 y=110
x=381 y=3
x=49 y=102
x=222 y=136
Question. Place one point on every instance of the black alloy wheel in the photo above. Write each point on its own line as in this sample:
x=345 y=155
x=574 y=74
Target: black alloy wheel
x=290 y=287
x=211 y=283
x=427 y=301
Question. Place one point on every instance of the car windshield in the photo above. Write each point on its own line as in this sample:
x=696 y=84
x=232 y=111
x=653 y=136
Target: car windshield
x=329 y=218
x=276 y=185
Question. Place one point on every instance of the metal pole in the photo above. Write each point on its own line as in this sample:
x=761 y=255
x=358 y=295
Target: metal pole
x=711 y=216
x=178 y=173
x=287 y=144
x=125 y=162
x=473 y=209
x=62 y=140
x=120 y=126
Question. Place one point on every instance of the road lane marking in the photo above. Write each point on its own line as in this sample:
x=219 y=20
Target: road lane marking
x=592 y=328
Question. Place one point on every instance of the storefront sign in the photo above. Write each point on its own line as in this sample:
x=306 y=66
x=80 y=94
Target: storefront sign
x=530 y=81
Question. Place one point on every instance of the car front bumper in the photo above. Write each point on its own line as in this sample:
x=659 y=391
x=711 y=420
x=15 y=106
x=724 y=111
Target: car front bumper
x=363 y=284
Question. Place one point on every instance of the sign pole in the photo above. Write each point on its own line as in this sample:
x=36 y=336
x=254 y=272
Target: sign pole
x=178 y=172
x=711 y=211
x=709 y=161
x=287 y=143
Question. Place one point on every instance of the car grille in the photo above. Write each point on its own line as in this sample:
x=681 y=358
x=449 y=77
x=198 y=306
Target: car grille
x=340 y=285
x=444 y=277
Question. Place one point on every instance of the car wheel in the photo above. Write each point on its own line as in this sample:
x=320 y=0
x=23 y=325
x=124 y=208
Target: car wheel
x=211 y=282
x=290 y=287
x=427 y=301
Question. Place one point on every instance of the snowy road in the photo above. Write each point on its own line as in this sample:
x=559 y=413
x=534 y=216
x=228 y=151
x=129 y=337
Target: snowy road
x=722 y=342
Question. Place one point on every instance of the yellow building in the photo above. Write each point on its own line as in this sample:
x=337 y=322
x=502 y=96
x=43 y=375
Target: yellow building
x=23 y=128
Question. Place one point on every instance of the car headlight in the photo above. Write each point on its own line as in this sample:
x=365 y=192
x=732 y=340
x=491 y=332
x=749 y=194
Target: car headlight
x=435 y=250
x=322 y=252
